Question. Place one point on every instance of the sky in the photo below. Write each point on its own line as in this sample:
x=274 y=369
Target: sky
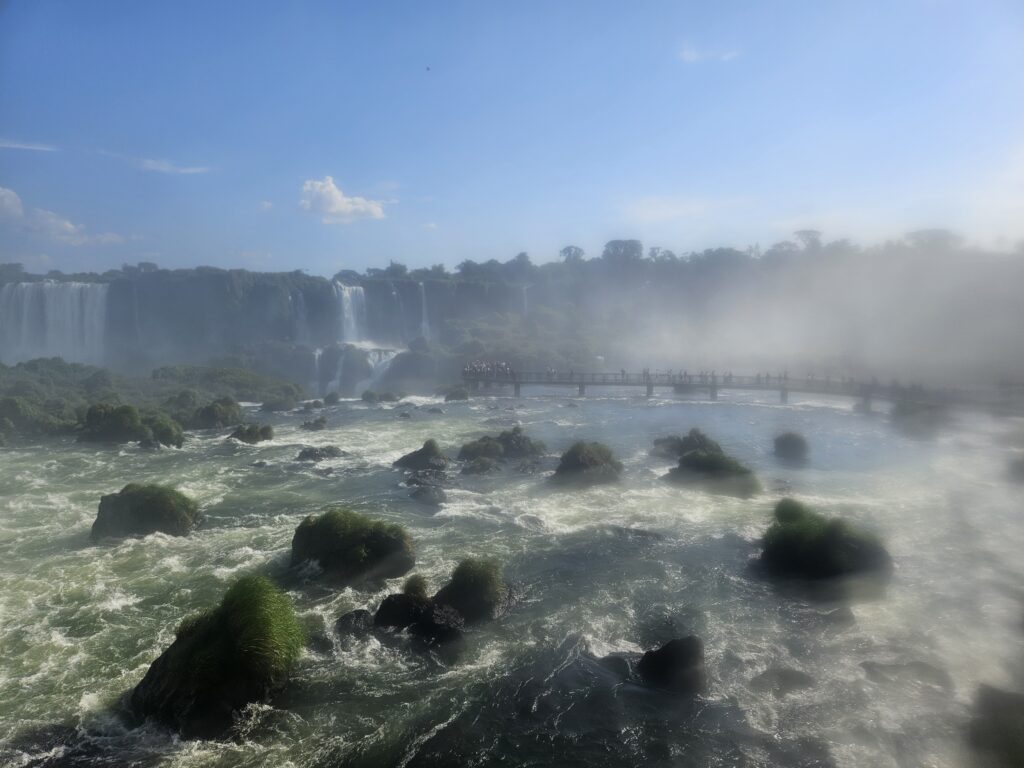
x=342 y=135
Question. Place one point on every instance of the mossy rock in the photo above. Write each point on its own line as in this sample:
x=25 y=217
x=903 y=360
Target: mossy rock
x=222 y=660
x=253 y=433
x=106 y=423
x=791 y=446
x=164 y=429
x=456 y=393
x=369 y=396
x=319 y=453
x=351 y=547
x=315 y=425
x=486 y=447
x=279 y=404
x=332 y=398
x=479 y=466
x=476 y=590
x=510 y=444
x=588 y=463
x=717 y=472
x=139 y=510
x=674 y=446
x=804 y=544
x=224 y=412
x=429 y=457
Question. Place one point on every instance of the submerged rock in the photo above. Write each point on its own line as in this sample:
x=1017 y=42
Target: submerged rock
x=791 y=446
x=221 y=660
x=320 y=453
x=805 y=544
x=139 y=510
x=351 y=547
x=677 y=666
x=588 y=463
x=358 y=622
x=253 y=433
x=429 y=457
x=315 y=425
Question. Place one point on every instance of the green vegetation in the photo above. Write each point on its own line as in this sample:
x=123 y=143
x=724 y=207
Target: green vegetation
x=673 y=447
x=223 y=412
x=139 y=510
x=510 y=444
x=253 y=433
x=279 y=404
x=415 y=586
x=717 y=471
x=588 y=463
x=476 y=590
x=222 y=659
x=106 y=423
x=791 y=446
x=803 y=543
x=350 y=546
x=429 y=458
x=486 y=447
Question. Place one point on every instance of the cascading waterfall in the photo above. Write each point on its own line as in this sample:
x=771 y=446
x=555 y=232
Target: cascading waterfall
x=424 y=318
x=380 y=360
x=317 y=354
x=53 y=319
x=351 y=309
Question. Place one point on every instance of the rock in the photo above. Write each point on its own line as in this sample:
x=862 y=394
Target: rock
x=805 y=544
x=429 y=495
x=279 y=404
x=351 y=547
x=588 y=463
x=476 y=590
x=440 y=625
x=618 y=665
x=222 y=660
x=677 y=666
x=320 y=453
x=358 y=622
x=315 y=425
x=781 y=681
x=106 y=423
x=998 y=725
x=370 y=396
x=479 y=466
x=221 y=413
x=673 y=447
x=332 y=398
x=456 y=393
x=791 y=446
x=486 y=447
x=139 y=510
x=429 y=457
x=400 y=610
x=253 y=433
x=716 y=471
x=405 y=415
x=516 y=445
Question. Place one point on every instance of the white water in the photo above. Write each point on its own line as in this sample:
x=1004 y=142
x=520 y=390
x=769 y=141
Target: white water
x=380 y=359
x=51 y=319
x=351 y=311
x=424 y=319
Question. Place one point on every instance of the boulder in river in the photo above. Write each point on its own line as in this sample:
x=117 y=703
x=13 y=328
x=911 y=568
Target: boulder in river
x=222 y=660
x=804 y=544
x=400 y=610
x=588 y=463
x=429 y=457
x=476 y=590
x=429 y=495
x=253 y=433
x=315 y=425
x=456 y=393
x=479 y=466
x=716 y=471
x=997 y=727
x=350 y=547
x=139 y=510
x=791 y=446
x=676 y=666
x=674 y=446
x=319 y=453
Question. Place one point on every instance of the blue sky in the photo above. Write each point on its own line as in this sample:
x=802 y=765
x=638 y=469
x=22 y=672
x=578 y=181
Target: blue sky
x=323 y=136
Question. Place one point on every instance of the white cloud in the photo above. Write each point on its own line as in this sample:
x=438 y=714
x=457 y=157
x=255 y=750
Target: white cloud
x=334 y=207
x=48 y=224
x=266 y=205
x=166 y=166
x=647 y=210
x=430 y=225
x=26 y=145
x=692 y=55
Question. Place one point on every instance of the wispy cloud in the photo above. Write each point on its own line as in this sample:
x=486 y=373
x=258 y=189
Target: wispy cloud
x=266 y=205
x=334 y=206
x=47 y=224
x=155 y=165
x=29 y=146
x=692 y=55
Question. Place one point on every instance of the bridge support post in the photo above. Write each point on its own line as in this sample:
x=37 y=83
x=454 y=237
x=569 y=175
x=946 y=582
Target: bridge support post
x=583 y=389
x=784 y=396
x=517 y=390
x=650 y=390
x=714 y=391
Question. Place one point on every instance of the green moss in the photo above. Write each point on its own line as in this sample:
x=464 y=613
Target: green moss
x=415 y=586
x=164 y=429
x=476 y=589
x=108 y=423
x=428 y=458
x=718 y=472
x=588 y=462
x=486 y=447
x=223 y=412
x=351 y=546
x=139 y=510
x=253 y=433
x=223 y=659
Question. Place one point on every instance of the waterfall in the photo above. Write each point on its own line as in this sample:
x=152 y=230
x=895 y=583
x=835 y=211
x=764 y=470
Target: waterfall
x=300 y=331
x=317 y=353
x=380 y=359
x=51 y=319
x=424 y=320
x=526 y=301
x=351 y=311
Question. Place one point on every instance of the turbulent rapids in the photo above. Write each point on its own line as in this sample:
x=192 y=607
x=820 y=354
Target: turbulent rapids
x=856 y=676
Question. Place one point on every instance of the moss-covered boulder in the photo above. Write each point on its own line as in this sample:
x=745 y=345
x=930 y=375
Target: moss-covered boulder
x=277 y=404
x=164 y=429
x=476 y=590
x=674 y=446
x=332 y=398
x=252 y=433
x=223 y=412
x=315 y=425
x=486 y=447
x=369 y=396
x=791 y=446
x=319 y=453
x=715 y=471
x=676 y=666
x=351 y=547
x=139 y=510
x=222 y=660
x=398 y=611
x=479 y=466
x=455 y=394
x=106 y=423
x=804 y=544
x=427 y=458
x=588 y=463
x=510 y=444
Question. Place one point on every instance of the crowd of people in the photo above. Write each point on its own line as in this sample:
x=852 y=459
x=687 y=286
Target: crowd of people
x=489 y=370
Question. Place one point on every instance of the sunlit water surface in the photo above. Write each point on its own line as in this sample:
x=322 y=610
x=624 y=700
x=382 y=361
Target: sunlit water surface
x=613 y=568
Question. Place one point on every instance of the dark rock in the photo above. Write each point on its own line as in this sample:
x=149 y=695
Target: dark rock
x=588 y=463
x=405 y=415
x=358 y=622
x=997 y=727
x=791 y=446
x=440 y=625
x=677 y=666
x=139 y=510
x=618 y=665
x=429 y=457
x=715 y=471
x=332 y=398
x=315 y=425
x=456 y=393
x=429 y=495
x=253 y=433
x=479 y=466
x=349 y=546
x=400 y=610
x=221 y=413
x=674 y=446
x=320 y=453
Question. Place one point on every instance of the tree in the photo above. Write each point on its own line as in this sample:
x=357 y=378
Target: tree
x=623 y=252
x=571 y=254
x=810 y=239
x=396 y=271
x=661 y=255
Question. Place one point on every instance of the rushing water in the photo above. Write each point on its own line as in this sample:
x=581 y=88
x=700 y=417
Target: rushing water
x=616 y=568
x=351 y=312
x=50 y=319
